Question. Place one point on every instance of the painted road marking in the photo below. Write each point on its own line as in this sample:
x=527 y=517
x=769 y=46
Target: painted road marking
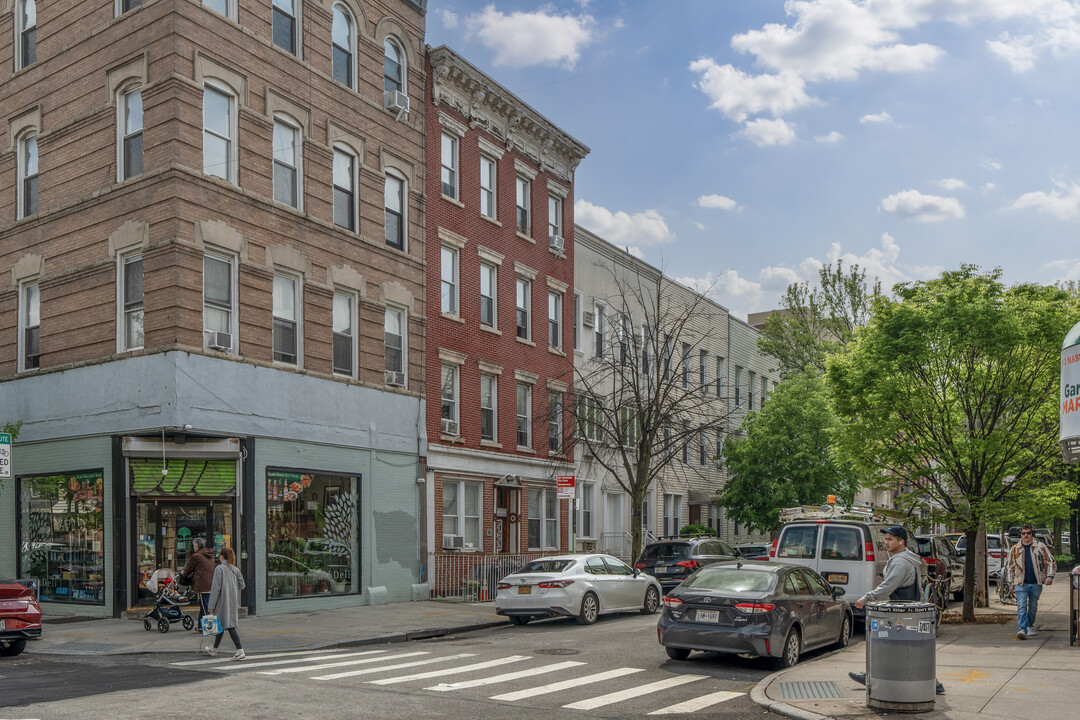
x=566 y=684
x=250 y=666
x=228 y=658
x=695 y=704
x=399 y=666
x=450 y=671
x=344 y=663
x=505 y=677
x=612 y=698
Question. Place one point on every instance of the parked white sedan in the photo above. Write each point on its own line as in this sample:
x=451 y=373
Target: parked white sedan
x=580 y=586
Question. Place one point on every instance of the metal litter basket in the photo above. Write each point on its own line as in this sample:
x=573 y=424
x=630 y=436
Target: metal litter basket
x=901 y=659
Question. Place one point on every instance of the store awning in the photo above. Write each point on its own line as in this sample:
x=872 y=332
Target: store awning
x=185 y=477
x=707 y=497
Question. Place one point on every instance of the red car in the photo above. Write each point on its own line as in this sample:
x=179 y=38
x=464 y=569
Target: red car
x=20 y=616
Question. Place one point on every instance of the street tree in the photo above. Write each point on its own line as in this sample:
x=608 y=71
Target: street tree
x=952 y=388
x=781 y=458
x=814 y=323
x=639 y=403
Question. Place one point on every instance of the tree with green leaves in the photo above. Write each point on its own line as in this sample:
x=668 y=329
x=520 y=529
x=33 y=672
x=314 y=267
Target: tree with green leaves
x=952 y=388
x=816 y=322
x=781 y=457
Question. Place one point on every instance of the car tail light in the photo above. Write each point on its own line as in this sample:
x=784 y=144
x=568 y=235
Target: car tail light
x=870 y=550
x=692 y=564
x=755 y=608
x=772 y=549
x=996 y=554
x=672 y=602
x=639 y=566
x=555 y=583
x=503 y=586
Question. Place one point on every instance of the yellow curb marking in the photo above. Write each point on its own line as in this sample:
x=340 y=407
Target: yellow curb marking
x=436 y=612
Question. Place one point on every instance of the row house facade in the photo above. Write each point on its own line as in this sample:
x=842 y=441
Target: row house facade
x=212 y=257
x=500 y=274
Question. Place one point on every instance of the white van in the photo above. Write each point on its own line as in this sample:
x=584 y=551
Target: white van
x=844 y=547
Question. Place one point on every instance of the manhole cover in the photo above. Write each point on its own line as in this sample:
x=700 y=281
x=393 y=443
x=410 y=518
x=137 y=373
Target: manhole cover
x=806 y=690
x=558 y=651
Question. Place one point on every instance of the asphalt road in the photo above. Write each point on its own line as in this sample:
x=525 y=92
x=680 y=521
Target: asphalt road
x=550 y=669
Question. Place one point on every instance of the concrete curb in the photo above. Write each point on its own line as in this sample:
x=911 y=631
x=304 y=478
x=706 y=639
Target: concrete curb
x=757 y=694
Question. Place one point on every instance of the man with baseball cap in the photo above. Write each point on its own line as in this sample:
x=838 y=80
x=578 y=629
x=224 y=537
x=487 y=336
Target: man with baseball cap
x=904 y=578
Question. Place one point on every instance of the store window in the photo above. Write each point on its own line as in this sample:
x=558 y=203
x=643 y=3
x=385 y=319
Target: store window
x=61 y=536
x=312 y=532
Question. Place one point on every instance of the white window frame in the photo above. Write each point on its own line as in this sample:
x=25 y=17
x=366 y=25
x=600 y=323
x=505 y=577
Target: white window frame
x=738 y=386
x=590 y=416
x=523 y=304
x=672 y=513
x=403 y=318
x=684 y=442
x=449 y=280
x=393 y=177
x=123 y=105
x=461 y=519
x=349 y=300
x=25 y=175
x=295 y=12
x=548 y=526
x=524 y=419
x=124 y=6
x=555 y=216
x=349 y=49
x=284 y=297
x=555 y=422
x=587 y=512
x=450 y=373
x=578 y=305
x=703 y=370
x=354 y=211
x=233 y=321
x=763 y=392
x=450 y=160
x=522 y=204
x=29 y=311
x=230 y=8
x=22 y=27
x=123 y=343
x=280 y=158
x=719 y=377
x=599 y=329
x=389 y=84
x=686 y=369
x=489 y=193
x=231 y=162
x=555 y=312
x=703 y=448
x=492 y=271
x=494 y=409
x=750 y=389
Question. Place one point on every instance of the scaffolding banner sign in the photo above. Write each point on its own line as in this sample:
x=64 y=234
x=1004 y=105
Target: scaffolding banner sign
x=5 y=456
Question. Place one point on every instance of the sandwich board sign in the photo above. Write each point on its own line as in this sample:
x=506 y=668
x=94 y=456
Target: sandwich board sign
x=5 y=456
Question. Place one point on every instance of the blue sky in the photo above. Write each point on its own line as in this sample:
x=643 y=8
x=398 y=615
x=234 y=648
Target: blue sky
x=741 y=144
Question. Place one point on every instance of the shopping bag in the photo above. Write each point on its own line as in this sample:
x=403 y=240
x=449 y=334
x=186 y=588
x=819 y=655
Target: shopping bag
x=211 y=625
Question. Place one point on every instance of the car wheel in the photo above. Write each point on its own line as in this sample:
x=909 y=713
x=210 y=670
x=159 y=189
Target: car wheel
x=845 y=632
x=590 y=609
x=520 y=619
x=189 y=622
x=12 y=647
x=163 y=626
x=652 y=601
x=791 y=651
x=677 y=653
x=147 y=625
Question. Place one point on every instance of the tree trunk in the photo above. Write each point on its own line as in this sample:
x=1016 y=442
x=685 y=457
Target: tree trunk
x=969 y=576
x=1057 y=536
x=982 y=583
x=635 y=528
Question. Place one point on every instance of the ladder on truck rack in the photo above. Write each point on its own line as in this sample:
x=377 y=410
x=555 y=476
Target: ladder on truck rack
x=828 y=512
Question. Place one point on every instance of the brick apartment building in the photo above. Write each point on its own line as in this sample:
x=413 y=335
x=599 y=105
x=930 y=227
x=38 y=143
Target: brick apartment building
x=500 y=189
x=212 y=253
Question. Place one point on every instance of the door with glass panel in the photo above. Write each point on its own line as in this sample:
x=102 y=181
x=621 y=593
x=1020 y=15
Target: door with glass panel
x=164 y=537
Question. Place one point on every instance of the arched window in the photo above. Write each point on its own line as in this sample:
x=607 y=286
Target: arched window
x=342 y=36
x=393 y=67
x=130 y=126
x=25 y=33
x=28 y=175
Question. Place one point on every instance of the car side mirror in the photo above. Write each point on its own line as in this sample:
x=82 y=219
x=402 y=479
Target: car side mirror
x=838 y=592
x=636 y=572
x=737 y=552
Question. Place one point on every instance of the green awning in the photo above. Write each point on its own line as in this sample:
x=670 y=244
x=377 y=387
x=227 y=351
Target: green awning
x=186 y=477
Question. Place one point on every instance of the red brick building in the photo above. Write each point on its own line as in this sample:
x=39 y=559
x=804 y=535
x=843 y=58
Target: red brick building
x=500 y=273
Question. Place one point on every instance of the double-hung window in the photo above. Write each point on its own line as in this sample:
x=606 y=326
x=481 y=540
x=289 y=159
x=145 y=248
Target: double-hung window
x=26 y=33
x=218 y=301
x=131 y=299
x=341 y=33
x=488 y=406
x=395 y=211
x=590 y=415
x=393 y=67
x=344 y=331
x=488 y=284
x=449 y=166
x=543 y=520
x=523 y=191
x=738 y=386
x=344 y=189
x=29 y=326
x=487 y=186
x=449 y=280
x=131 y=134
x=286 y=319
x=461 y=512
x=126 y=5
x=524 y=415
x=285 y=25
x=28 y=176
x=449 y=399
x=672 y=513
x=577 y=320
x=219 y=125
x=750 y=391
x=287 y=152
x=684 y=441
x=224 y=7
x=585 y=509
x=703 y=448
x=719 y=443
x=394 y=346
x=555 y=219
x=555 y=320
x=763 y=393
x=600 y=320
x=686 y=366
x=719 y=377
x=703 y=371
x=524 y=292
x=555 y=414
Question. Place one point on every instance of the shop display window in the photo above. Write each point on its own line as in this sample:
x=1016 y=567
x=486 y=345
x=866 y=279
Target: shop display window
x=312 y=531
x=61 y=536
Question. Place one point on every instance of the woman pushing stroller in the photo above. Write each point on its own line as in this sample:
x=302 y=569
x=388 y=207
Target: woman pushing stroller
x=200 y=568
x=225 y=601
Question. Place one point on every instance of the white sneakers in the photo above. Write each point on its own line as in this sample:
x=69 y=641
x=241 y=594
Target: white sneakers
x=209 y=650
x=239 y=655
x=1031 y=632
x=1021 y=635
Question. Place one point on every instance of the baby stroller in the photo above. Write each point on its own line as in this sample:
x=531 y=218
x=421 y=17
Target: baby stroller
x=168 y=601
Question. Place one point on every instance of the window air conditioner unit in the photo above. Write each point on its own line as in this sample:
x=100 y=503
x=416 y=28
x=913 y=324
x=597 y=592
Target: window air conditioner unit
x=217 y=340
x=588 y=546
x=556 y=242
x=587 y=319
x=449 y=427
x=397 y=379
x=396 y=101
x=453 y=542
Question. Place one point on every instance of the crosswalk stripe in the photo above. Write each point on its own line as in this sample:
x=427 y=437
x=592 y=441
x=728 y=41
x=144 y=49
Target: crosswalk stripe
x=343 y=663
x=228 y=658
x=249 y=666
x=505 y=677
x=611 y=698
x=695 y=704
x=383 y=668
x=566 y=684
x=450 y=671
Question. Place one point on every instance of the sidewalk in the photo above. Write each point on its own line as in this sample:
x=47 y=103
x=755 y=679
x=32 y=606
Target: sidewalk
x=987 y=672
x=341 y=627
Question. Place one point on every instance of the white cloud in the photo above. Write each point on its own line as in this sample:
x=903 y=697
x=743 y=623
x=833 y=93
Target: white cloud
x=763 y=132
x=1062 y=270
x=952 y=184
x=739 y=95
x=448 y=16
x=988 y=164
x=622 y=229
x=543 y=37
x=881 y=117
x=1019 y=52
x=717 y=202
x=913 y=205
x=699 y=226
x=1063 y=203
x=831 y=138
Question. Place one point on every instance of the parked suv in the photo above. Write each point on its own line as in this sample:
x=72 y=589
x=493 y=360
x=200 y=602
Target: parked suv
x=672 y=559
x=944 y=566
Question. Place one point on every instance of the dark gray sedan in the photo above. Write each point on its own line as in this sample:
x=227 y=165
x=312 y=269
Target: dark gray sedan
x=754 y=608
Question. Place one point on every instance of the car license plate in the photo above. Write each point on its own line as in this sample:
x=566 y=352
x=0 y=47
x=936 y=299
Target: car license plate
x=524 y=589
x=707 y=616
x=838 y=578
x=660 y=571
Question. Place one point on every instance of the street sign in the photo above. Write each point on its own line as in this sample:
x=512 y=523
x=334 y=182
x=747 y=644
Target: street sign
x=5 y=456
x=564 y=485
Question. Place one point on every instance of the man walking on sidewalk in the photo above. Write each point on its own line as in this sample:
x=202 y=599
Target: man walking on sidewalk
x=1028 y=566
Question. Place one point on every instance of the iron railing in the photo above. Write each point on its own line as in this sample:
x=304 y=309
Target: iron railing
x=473 y=577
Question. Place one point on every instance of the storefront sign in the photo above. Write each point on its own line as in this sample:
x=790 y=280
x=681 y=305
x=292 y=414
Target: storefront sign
x=5 y=456
x=565 y=487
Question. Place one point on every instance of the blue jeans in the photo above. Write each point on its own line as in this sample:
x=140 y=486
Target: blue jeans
x=1027 y=604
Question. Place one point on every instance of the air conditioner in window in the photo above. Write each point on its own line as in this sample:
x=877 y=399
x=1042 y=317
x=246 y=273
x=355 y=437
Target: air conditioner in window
x=588 y=546
x=453 y=542
x=449 y=427
x=396 y=101
x=556 y=242
x=216 y=340
x=587 y=319
x=397 y=379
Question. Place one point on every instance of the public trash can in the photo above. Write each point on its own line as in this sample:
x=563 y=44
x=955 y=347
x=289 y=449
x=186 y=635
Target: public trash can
x=901 y=660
